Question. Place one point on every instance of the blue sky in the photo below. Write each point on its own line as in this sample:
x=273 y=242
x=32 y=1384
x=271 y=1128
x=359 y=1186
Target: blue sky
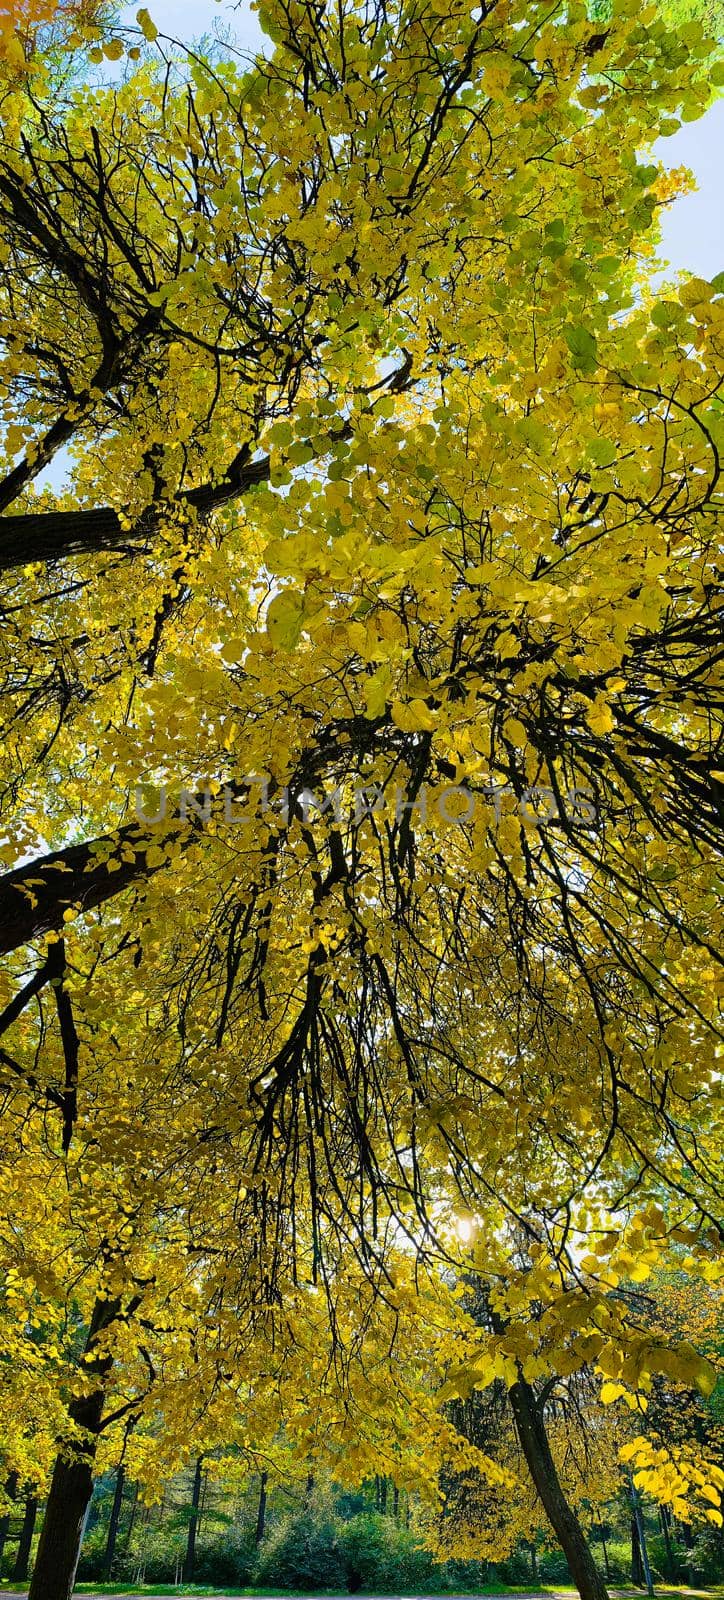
x=189 y=19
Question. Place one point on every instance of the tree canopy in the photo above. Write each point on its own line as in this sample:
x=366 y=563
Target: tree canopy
x=362 y=708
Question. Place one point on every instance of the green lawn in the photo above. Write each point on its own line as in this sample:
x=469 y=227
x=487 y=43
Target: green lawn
x=671 y=1592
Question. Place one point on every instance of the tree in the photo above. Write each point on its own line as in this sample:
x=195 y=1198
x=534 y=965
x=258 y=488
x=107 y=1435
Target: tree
x=261 y=1512
x=392 y=526
x=30 y=30
x=114 y=1522
x=25 y=1542
x=190 y=1561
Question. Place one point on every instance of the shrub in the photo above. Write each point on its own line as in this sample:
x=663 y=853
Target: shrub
x=228 y=1558
x=378 y=1554
x=707 y=1556
x=517 y=1568
x=90 y=1566
x=302 y=1552
x=658 y=1557
x=552 y=1567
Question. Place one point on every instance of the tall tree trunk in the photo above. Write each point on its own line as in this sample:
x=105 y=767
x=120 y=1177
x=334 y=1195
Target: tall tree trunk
x=114 y=1523
x=666 y=1531
x=190 y=1562
x=637 y=1522
x=261 y=1513
x=637 y=1566
x=71 y=1487
x=604 y=1547
x=131 y=1521
x=11 y=1489
x=396 y=1502
x=688 y=1542
x=383 y=1496
x=22 y=1559
x=530 y=1427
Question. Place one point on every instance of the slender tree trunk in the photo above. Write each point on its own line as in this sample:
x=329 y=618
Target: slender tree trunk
x=383 y=1496
x=190 y=1562
x=641 y=1532
x=604 y=1547
x=131 y=1521
x=261 y=1513
x=22 y=1559
x=71 y=1487
x=533 y=1562
x=637 y=1566
x=666 y=1531
x=11 y=1489
x=530 y=1427
x=114 y=1523
x=396 y=1503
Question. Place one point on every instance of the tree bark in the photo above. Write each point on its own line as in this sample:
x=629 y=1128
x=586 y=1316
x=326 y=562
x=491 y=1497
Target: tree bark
x=190 y=1562
x=113 y=1524
x=666 y=1531
x=604 y=1547
x=261 y=1513
x=56 y=535
x=35 y=897
x=637 y=1523
x=22 y=1559
x=50 y=535
x=71 y=1487
x=131 y=1521
x=637 y=1569
x=530 y=1428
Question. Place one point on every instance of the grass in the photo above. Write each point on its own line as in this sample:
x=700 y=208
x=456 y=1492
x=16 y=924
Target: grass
x=204 y=1592
x=671 y=1591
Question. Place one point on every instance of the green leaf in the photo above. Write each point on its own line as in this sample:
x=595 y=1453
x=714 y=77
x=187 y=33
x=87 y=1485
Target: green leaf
x=583 y=348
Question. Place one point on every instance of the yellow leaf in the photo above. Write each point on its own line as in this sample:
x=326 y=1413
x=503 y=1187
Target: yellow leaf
x=600 y=716
x=413 y=716
x=515 y=731
x=284 y=619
